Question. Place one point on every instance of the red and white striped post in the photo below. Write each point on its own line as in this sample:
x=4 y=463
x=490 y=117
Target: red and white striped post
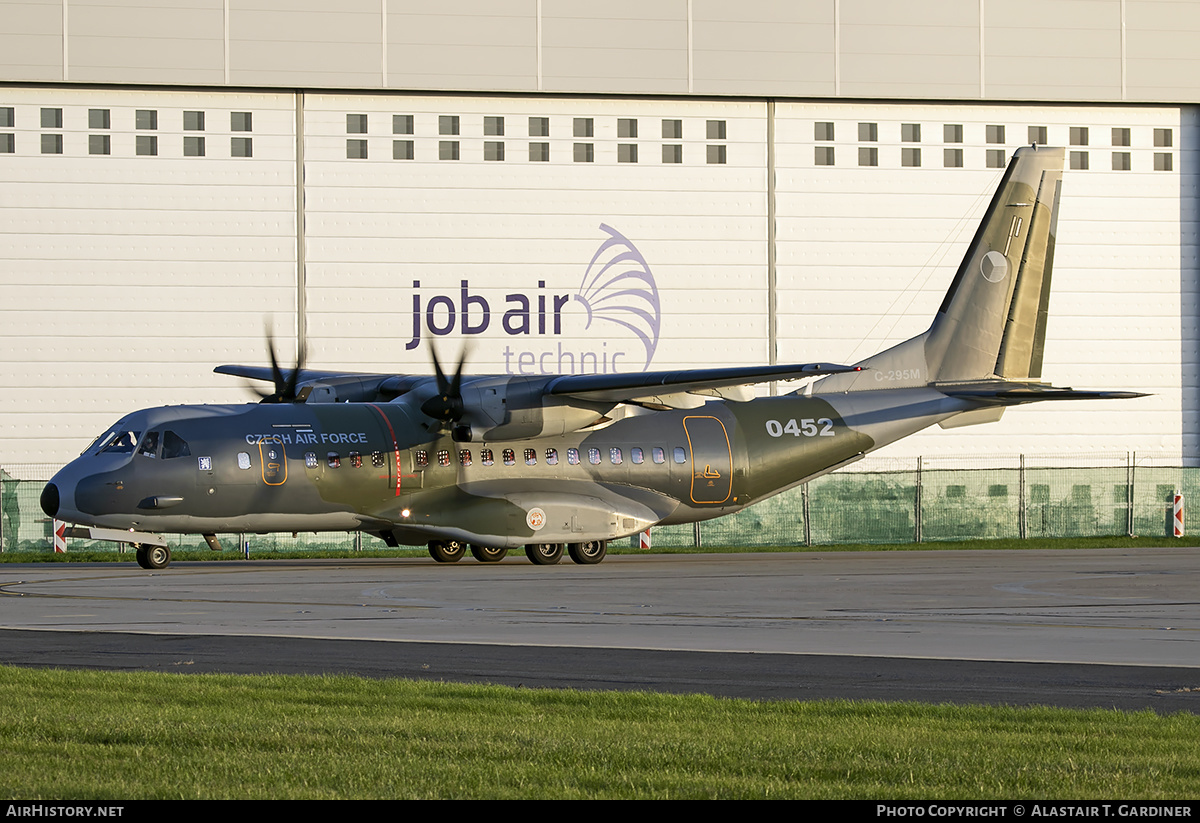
x=60 y=537
x=644 y=540
x=1177 y=516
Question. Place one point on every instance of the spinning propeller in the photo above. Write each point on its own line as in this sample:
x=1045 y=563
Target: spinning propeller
x=447 y=405
x=285 y=386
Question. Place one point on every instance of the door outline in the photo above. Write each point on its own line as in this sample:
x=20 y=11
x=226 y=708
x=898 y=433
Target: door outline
x=712 y=459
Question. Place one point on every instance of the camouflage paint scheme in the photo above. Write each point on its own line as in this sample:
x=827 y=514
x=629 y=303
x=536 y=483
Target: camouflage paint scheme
x=346 y=455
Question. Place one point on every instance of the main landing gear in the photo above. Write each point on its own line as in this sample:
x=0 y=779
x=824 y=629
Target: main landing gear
x=153 y=557
x=587 y=553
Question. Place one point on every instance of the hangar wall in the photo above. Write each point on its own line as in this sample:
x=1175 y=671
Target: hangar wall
x=145 y=234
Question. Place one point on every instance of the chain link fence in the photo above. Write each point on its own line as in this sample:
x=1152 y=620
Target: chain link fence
x=878 y=500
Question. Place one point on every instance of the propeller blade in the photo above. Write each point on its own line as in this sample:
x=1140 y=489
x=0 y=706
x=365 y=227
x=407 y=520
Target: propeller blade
x=447 y=405
x=285 y=386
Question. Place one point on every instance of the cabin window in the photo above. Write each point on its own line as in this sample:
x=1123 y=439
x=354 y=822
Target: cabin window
x=174 y=446
x=464 y=457
x=334 y=459
x=243 y=460
x=637 y=455
x=552 y=457
x=615 y=456
x=422 y=458
x=377 y=459
x=593 y=456
x=121 y=442
x=356 y=460
x=509 y=456
x=659 y=455
x=443 y=457
x=531 y=457
x=573 y=456
x=310 y=460
x=149 y=445
x=485 y=457
x=680 y=455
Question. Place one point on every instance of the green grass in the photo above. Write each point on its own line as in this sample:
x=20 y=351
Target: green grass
x=111 y=556
x=94 y=735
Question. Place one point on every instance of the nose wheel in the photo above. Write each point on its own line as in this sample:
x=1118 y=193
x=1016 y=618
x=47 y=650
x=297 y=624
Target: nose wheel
x=153 y=558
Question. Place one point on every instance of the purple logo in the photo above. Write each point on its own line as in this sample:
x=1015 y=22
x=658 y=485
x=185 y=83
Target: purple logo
x=617 y=290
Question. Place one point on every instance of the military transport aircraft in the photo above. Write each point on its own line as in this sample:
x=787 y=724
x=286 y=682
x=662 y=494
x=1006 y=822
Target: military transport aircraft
x=496 y=462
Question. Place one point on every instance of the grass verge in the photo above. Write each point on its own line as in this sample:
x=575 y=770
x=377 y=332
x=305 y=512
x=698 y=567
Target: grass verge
x=98 y=735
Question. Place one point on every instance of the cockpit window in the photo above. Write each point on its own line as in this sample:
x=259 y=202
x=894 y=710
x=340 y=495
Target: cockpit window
x=149 y=447
x=120 y=441
x=174 y=446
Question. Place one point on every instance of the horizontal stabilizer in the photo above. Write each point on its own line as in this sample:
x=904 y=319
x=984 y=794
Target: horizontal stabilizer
x=1009 y=393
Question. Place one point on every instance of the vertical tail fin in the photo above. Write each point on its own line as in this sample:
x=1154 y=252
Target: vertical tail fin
x=992 y=322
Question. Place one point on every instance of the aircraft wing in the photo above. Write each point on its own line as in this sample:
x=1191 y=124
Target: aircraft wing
x=631 y=386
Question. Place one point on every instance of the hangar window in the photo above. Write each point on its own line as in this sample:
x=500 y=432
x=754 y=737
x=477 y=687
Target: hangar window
x=448 y=124
x=486 y=457
x=52 y=144
x=823 y=155
x=356 y=124
x=1120 y=137
x=241 y=121
x=822 y=131
x=193 y=147
x=552 y=457
x=584 y=127
x=493 y=150
x=868 y=156
x=1120 y=161
x=1079 y=160
x=715 y=129
x=1037 y=134
x=672 y=154
x=509 y=457
x=241 y=147
x=464 y=457
x=868 y=132
x=716 y=155
x=910 y=132
x=626 y=128
x=145 y=119
x=1163 y=161
x=51 y=118
x=995 y=158
x=147 y=145
x=539 y=126
x=672 y=129
x=994 y=134
x=356 y=149
x=585 y=152
x=952 y=133
x=1162 y=138
x=7 y=118
x=193 y=121
x=1079 y=135
x=952 y=158
x=539 y=152
x=402 y=124
x=448 y=150
x=402 y=150
x=8 y=143
x=531 y=457
x=910 y=157
x=627 y=152
x=573 y=456
x=493 y=126
x=99 y=144
x=99 y=119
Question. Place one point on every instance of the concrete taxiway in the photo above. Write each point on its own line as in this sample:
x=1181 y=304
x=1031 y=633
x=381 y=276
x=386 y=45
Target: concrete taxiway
x=1110 y=627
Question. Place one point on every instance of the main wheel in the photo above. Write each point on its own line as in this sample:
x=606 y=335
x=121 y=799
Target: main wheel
x=141 y=555
x=589 y=552
x=488 y=554
x=447 y=551
x=544 y=554
x=154 y=557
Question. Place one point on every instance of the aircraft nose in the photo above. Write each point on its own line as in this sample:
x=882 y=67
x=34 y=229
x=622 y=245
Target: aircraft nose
x=50 y=500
